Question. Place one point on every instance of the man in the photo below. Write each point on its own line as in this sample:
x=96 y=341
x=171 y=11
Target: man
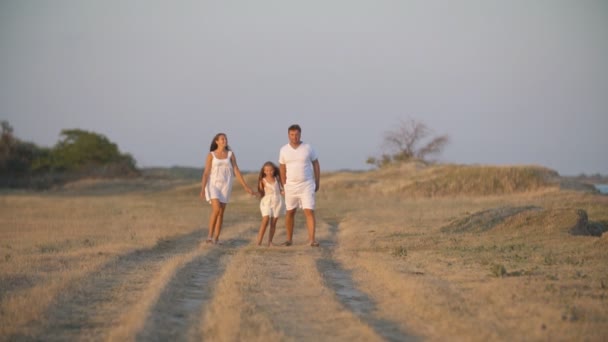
x=300 y=175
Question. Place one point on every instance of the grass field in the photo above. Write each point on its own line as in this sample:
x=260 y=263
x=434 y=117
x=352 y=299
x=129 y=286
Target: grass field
x=447 y=252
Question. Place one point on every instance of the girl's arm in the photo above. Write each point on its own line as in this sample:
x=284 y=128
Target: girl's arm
x=206 y=172
x=239 y=176
x=261 y=187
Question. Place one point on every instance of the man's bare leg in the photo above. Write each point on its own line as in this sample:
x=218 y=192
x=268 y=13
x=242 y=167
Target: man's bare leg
x=311 y=224
x=289 y=223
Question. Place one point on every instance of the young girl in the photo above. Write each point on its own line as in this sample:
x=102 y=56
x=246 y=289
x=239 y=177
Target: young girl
x=220 y=169
x=271 y=205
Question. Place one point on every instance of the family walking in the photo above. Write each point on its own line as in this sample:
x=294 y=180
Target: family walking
x=297 y=178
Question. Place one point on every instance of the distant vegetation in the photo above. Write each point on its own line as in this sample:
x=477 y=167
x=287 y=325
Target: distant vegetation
x=174 y=172
x=591 y=179
x=409 y=141
x=78 y=154
x=419 y=180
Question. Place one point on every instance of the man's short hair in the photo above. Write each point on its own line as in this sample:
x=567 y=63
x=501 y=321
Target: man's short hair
x=294 y=127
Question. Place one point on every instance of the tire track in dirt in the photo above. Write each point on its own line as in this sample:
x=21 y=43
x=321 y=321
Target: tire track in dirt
x=277 y=294
x=294 y=293
x=89 y=309
x=340 y=281
x=179 y=309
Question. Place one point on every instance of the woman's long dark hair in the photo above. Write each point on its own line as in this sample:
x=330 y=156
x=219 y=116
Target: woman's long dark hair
x=262 y=175
x=213 y=146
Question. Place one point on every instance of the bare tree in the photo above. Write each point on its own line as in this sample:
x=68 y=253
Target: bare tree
x=408 y=141
x=7 y=141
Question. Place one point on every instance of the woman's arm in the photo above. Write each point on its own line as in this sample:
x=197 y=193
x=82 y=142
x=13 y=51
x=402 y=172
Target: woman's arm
x=206 y=172
x=239 y=176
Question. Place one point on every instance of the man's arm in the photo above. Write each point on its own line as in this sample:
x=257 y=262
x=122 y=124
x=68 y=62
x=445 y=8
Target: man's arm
x=317 y=170
x=283 y=173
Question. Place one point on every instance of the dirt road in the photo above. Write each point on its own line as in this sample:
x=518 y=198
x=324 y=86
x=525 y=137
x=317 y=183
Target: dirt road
x=183 y=291
x=391 y=267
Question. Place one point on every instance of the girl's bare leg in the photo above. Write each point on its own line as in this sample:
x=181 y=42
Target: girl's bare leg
x=262 y=230
x=273 y=227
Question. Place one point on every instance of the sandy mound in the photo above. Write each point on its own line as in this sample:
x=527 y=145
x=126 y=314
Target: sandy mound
x=527 y=219
x=485 y=220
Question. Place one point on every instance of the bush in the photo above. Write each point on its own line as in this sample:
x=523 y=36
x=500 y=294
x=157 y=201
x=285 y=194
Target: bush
x=78 y=154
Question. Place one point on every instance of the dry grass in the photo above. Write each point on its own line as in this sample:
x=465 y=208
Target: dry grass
x=451 y=252
x=49 y=241
x=470 y=265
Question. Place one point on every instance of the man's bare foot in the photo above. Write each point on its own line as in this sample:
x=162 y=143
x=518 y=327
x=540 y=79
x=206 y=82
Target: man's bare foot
x=270 y=244
x=286 y=243
x=314 y=244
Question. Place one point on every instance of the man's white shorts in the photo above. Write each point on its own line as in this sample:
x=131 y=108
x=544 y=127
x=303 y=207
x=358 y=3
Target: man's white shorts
x=300 y=195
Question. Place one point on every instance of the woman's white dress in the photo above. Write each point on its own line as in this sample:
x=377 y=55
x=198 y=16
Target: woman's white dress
x=272 y=203
x=220 y=179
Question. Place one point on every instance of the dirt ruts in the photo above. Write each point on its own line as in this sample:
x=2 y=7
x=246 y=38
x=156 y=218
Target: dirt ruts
x=180 y=290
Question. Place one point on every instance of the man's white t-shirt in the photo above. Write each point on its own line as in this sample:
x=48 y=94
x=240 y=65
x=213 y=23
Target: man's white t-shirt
x=298 y=162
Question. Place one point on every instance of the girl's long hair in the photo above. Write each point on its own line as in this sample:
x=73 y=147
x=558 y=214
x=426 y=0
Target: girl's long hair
x=262 y=175
x=213 y=146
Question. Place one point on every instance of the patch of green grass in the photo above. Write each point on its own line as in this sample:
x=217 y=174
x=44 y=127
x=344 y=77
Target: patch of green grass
x=498 y=270
x=403 y=235
x=400 y=252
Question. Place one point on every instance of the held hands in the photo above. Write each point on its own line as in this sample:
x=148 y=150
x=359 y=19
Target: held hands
x=252 y=193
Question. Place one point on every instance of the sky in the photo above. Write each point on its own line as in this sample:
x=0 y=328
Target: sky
x=513 y=82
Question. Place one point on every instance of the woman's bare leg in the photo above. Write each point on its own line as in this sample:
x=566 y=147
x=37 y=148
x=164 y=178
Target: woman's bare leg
x=219 y=221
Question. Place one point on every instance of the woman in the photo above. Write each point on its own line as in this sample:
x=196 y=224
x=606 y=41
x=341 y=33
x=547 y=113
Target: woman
x=220 y=169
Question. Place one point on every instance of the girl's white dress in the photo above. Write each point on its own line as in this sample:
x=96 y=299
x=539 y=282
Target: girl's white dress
x=272 y=203
x=220 y=179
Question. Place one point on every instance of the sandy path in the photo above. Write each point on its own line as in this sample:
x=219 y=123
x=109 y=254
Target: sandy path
x=181 y=291
x=178 y=310
x=279 y=293
x=93 y=305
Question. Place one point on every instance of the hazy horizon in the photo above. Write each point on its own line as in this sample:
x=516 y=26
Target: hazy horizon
x=511 y=83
